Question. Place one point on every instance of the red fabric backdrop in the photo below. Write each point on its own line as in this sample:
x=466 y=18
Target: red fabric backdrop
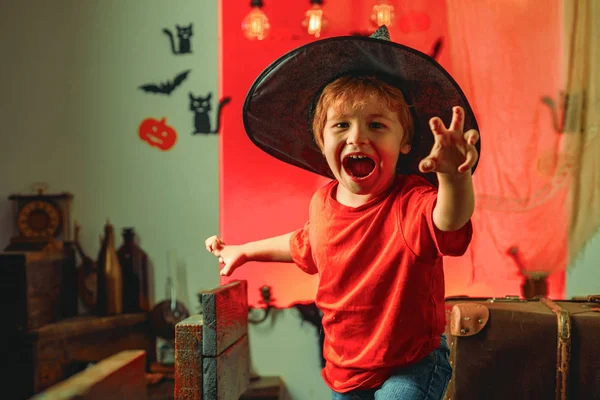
x=261 y=197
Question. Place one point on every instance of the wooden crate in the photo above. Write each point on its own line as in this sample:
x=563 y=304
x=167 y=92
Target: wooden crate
x=40 y=286
x=50 y=354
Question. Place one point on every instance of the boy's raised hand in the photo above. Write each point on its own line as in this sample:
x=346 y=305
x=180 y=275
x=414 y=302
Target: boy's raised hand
x=453 y=150
x=230 y=256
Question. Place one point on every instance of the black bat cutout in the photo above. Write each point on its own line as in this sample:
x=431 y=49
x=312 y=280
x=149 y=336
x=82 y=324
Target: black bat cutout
x=166 y=87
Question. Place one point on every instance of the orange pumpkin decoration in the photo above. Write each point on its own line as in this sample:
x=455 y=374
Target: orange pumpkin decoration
x=157 y=133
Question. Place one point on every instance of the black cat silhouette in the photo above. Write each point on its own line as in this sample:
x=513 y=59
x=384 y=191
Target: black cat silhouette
x=201 y=107
x=184 y=33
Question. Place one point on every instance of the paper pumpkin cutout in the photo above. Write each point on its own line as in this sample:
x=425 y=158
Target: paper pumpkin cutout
x=157 y=133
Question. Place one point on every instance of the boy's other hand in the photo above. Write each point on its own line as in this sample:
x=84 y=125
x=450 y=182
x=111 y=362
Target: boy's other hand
x=230 y=256
x=453 y=150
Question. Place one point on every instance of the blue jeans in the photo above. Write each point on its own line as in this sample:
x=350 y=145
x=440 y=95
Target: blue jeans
x=425 y=380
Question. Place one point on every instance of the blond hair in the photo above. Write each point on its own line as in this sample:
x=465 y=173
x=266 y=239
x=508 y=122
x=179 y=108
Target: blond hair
x=352 y=91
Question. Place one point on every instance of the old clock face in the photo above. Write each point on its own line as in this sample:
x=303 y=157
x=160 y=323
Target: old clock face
x=39 y=218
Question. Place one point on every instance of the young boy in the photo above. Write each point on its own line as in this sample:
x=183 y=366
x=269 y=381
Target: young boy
x=376 y=235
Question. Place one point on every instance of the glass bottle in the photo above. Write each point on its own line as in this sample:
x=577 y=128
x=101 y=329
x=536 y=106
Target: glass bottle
x=134 y=264
x=110 y=277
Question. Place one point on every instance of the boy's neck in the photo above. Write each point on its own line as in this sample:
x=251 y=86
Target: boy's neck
x=349 y=199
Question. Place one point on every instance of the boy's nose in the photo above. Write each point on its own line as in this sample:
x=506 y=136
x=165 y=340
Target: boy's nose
x=357 y=135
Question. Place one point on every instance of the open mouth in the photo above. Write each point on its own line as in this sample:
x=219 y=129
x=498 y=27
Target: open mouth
x=358 y=166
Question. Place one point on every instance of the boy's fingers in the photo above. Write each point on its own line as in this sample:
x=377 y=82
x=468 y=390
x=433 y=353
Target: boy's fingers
x=458 y=119
x=472 y=136
x=470 y=159
x=211 y=243
x=211 y=239
x=214 y=243
x=226 y=271
x=436 y=125
x=208 y=243
x=427 y=164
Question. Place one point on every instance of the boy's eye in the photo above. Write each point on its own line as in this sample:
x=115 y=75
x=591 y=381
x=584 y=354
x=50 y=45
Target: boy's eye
x=377 y=125
x=341 y=125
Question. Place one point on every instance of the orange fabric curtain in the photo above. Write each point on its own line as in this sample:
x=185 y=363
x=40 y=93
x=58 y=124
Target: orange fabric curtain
x=506 y=56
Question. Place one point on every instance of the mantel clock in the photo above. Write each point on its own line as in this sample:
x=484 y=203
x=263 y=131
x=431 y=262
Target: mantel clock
x=41 y=220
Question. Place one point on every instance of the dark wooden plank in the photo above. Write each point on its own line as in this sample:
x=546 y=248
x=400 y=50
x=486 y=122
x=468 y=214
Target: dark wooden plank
x=225 y=313
x=188 y=358
x=85 y=324
x=119 y=377
x=227 y=376
x=83 y=339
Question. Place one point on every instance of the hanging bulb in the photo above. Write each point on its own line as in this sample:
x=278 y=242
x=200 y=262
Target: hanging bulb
x=256 y=24
x=383 y=13
x=315 y=20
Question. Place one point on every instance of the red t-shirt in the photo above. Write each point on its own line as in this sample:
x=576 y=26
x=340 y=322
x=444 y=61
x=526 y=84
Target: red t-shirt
x=381 y=282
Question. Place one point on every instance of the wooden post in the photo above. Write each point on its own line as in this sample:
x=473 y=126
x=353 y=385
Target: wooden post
x=226 y=362
x=225 y=313
x=227 y=376
x=212 y=356
x=188 y=358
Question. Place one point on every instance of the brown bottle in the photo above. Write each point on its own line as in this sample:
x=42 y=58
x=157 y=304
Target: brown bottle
x=134 y=264
x=110 y=277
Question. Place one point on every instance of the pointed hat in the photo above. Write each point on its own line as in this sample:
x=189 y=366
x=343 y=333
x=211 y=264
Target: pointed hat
x=278 y=109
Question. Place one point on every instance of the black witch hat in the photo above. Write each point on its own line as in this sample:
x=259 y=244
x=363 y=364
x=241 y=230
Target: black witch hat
x=278 y=109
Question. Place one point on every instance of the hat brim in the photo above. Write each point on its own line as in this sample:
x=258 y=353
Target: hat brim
x=277 y=106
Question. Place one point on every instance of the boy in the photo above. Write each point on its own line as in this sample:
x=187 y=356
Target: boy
x=377 y=232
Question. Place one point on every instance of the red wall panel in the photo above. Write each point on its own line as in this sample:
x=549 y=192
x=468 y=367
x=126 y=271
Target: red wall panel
x=261 y=196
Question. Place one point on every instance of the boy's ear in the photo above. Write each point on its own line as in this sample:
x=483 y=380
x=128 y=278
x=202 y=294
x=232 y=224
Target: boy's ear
x=405 y=149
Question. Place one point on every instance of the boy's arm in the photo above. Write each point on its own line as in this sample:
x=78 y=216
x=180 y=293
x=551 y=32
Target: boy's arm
x=452 y=157
x=455 y=201
x=274 y=249
x=271 y=249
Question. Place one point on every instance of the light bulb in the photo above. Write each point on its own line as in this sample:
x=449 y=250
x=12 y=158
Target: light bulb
x=383 y=14
x=315 y=20
x=256 y=24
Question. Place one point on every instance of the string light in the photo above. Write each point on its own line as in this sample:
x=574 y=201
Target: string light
x=256 y=24
x=315 y=20
x=383 y=13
